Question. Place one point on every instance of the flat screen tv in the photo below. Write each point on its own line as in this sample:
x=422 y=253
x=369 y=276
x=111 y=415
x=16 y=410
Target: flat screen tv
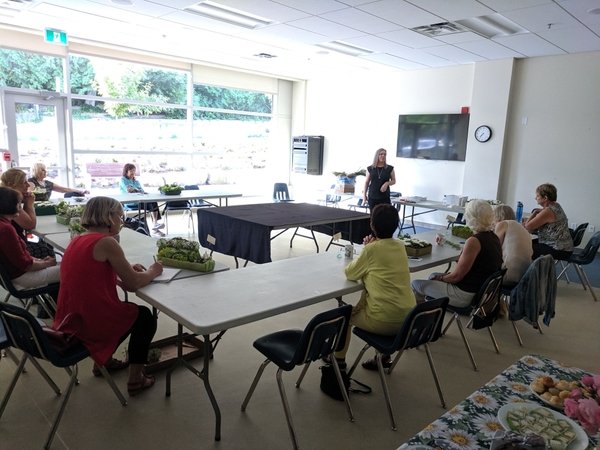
x=433 y=136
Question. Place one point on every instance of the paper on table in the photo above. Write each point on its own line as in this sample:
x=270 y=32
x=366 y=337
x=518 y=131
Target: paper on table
x=167 y=275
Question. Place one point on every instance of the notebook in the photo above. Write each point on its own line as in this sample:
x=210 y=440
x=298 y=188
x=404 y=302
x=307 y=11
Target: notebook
x=167 y=275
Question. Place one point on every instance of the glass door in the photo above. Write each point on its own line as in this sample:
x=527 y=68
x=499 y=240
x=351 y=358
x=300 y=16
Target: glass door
x=36 y=132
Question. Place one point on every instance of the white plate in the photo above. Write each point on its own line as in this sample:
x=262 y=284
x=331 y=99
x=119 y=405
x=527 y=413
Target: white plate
x=579 y=443
x=560 y=408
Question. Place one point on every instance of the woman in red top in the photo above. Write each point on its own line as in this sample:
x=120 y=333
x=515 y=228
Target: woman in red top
x=24 y=270
x=88 y=293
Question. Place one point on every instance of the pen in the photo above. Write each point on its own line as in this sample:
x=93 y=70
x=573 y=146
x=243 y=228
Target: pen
x=154 y=258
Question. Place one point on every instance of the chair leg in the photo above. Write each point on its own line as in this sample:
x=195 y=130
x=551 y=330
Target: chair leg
x=494 y=339
x=360 y=355
x=505 y=300
x=62 y=408
x=166 y=214
x=254 y=383
x=563 y=271
x=338 y=375
x=301 y=377
x=464 y=336
x=588 y=283
x=435 y=375
x=12 y=356
x=113 y=386
x=286 y=408
x=454 y=316
x=386 y=391
x=13 y=383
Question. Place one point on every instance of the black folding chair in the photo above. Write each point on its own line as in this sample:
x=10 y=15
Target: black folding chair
x=323 y=335
x=422 y=326
x=27 y=296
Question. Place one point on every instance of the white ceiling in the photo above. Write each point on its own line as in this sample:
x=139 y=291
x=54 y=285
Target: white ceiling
x=551 y=27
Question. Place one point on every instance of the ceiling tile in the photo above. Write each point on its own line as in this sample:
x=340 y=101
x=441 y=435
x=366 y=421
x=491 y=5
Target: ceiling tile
x=454 y=9
x=467 y=36
x=265 y=8
x=509 y=5
x=377 y=44
x=325 y=27
x=315 y=7
x=537 y=18
x=294 y=37
x=575 y=39
x=529 y=45
x=489 y=49
x=409 y=38
x=139 y=7
x=580 y=8
x=360 y=20
x=393 y=61
x=400 y=12
x=455 y=54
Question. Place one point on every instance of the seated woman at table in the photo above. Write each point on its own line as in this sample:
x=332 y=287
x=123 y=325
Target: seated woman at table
x=26 y=220
x=383 y=268
x=480 y=258
x=551 y=225
x=516 y=244
x=105 y=321
x=24 y=270
x=129 y=185
x=37 y=180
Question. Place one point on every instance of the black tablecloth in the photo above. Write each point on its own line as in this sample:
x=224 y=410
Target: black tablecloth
x=245 y=231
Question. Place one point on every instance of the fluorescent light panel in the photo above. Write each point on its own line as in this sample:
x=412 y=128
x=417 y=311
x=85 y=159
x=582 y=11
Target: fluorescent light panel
x=344 y=47
x=225 y=14
x=493 y=25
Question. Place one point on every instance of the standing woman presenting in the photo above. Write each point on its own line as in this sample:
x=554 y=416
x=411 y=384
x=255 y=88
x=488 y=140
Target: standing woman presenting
x=380 y=176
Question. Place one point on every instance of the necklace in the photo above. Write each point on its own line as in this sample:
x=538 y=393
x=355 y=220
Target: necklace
x=379 y=172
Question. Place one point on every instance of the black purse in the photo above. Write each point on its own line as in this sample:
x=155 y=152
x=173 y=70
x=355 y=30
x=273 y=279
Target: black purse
x=331 y=387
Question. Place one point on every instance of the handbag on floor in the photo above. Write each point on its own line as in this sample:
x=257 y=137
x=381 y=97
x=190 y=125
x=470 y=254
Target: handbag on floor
x=330 y=385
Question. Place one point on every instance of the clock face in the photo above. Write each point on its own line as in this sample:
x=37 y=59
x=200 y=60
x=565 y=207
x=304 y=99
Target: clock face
x=483 y=133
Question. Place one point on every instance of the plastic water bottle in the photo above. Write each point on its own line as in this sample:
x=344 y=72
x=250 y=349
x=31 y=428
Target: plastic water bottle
x=519 y=212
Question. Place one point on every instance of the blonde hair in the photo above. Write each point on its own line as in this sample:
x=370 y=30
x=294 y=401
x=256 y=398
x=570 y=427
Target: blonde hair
x=376 y=157
x=13 y=178
x=98 y=212
x=37 y=169
x=479 y=215
x=504 y=212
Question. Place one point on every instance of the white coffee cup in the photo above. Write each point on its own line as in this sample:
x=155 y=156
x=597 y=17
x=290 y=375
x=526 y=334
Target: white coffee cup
x=349 y=250
x=440 y=239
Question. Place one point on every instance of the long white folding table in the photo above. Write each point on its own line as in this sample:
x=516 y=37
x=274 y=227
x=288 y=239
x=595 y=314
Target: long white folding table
x=428 y=205
x=242 y=296
x=440 y=254
x=202 y=193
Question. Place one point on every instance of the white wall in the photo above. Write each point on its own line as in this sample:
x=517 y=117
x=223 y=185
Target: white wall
x=560 y=96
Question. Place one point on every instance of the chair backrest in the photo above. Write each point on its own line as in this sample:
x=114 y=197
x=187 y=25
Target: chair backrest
x=73 y=194
x=577 y=234
x=8 y=285
x=25 y=333
x=280 y=192
x=590 y=251
x=191 y=187
x=489 y=292
x=422 y=325
x=324 y=334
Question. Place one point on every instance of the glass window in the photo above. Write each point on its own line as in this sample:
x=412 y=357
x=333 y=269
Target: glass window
x=31 y=70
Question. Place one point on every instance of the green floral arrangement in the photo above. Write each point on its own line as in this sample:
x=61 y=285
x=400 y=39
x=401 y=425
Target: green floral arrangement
x=170 y=189
x=361 y=172
x=40 y=194
x=411 y=242
x=181 y=249
x=75 y=227
x=65 y=209
x=462 y=231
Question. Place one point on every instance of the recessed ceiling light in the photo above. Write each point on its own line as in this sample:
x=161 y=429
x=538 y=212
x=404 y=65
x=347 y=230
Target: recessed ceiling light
x=344 y=47
x=122 y=2
x=225 y=14
x=322 y=52
x=594 y=11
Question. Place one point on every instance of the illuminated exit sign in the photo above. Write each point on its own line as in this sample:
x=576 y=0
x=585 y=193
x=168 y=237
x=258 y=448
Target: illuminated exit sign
x=56 y=37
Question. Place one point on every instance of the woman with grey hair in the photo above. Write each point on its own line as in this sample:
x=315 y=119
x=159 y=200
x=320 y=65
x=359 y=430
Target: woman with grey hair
x=516 y=244
x=480 y=258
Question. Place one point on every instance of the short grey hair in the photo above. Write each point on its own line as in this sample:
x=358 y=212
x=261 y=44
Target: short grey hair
x=37 y=169
x=504 y=212
x=98 y=212
x=479 y=215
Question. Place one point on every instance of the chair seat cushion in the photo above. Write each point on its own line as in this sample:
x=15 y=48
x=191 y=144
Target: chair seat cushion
x=383 y=344
x=280 y=347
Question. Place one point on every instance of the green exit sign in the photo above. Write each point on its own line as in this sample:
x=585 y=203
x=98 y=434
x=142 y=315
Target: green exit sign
x=55 y=36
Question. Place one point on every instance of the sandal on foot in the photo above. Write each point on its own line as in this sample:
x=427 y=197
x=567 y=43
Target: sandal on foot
x=136 y=387
x=111 y=365
x=341 y=362
x=371 y=364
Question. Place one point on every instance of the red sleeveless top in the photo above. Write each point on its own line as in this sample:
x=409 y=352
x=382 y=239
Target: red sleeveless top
x=88 y=289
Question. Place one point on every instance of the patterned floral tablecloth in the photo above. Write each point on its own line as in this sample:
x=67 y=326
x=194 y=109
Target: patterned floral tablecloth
x=472 y=423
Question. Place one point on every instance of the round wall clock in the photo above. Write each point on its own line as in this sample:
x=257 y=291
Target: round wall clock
x=483 y=133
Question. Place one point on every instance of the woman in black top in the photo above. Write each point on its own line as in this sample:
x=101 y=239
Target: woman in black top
x=380 y=176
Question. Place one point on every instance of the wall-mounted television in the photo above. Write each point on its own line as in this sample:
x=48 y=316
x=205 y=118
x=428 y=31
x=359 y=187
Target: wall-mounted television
x=433 y=136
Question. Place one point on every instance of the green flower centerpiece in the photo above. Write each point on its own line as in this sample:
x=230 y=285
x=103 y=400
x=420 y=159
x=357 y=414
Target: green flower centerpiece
x=75 y=227
x=170 y=189
x=415 y=247
x=40 y=194
x=183 y=254
x=44 y=208
x=65 y=212
x=462 y=231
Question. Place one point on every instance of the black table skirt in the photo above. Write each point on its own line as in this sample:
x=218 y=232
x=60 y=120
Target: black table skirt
x=244 y=231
